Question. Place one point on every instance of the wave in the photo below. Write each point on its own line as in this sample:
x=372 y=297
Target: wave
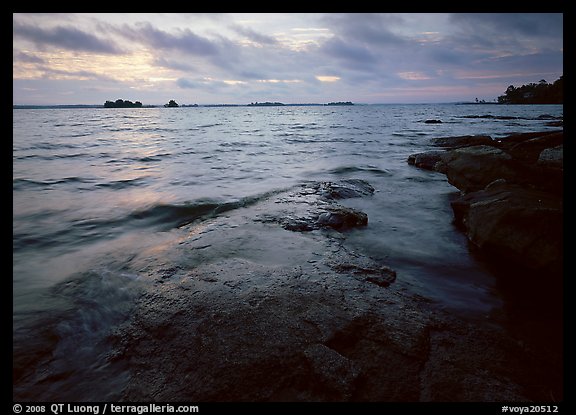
x=209 y=125
x=409 y=133
x=159 y=217
x=139 y=159
x=20 y=184
x=74 y=338
x=122 y=184
x=348 y=170
x=51 y=157
x=173 y=216
x=168 y=216
x=52 y=146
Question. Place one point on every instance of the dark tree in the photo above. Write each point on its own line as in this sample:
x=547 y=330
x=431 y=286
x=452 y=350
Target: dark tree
x=119 y=103
x=540 y=93
x=171 y=104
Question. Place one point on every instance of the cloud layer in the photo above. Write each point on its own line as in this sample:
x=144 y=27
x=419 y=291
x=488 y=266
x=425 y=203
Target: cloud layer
x=290 y=58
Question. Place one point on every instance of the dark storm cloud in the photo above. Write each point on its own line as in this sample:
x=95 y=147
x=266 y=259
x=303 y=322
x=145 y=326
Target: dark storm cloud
x=371 y=43
x=172 y=64
x=374 y=29
x=205 y=85
x=67 y=37
x=184 y=41
x=514 y=33
x=254 y=36
x=182 y=49
x=353 y=55
x=448 y=56
x=188 y=84
x=543 y=61
x=523 y=24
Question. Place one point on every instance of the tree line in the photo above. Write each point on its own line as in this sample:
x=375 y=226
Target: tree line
x=540 y=93
x=120 y=103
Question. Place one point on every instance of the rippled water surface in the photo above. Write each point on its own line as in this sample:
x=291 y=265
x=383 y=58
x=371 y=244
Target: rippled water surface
x=94 y=187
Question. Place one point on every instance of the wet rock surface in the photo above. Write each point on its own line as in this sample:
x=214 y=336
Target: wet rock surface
x=511 y=202
x=240 y=307
x=473 y=168
x=321 y=209
x=520 y=224
x=307 y=334
x=511 y=209
x=319 y=323
x=429 y=160
x=462 y=141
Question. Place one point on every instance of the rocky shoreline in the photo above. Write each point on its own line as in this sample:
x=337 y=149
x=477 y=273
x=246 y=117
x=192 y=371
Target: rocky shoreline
x=510 y=207
x=265 y=301
x=511 y=203
x=320 y=323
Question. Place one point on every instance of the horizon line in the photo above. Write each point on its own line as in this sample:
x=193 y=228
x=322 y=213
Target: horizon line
x=252 y=105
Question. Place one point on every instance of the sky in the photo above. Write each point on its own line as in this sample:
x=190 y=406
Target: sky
x=237 y=58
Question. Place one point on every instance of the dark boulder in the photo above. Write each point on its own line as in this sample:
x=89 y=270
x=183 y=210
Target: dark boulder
x=463 y=141
x=512 y=139
x=512 y=189
x=552 y=157
x=514 y=223
x=472 y=168
x=529 y=150
x=428 y=160
x=340 y=217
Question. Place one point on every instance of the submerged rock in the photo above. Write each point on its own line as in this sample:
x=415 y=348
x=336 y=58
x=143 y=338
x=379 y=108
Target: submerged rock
x=313 y=206
x=344 y=189
x=340 y=217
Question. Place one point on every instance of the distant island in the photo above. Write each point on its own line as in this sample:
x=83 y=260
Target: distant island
x=280 y=104
x=266 y=104
x=171 y=104
x=540 y=93
x=120 y=103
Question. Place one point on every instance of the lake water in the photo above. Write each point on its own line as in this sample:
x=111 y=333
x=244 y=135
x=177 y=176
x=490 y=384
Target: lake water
x=93 y=188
